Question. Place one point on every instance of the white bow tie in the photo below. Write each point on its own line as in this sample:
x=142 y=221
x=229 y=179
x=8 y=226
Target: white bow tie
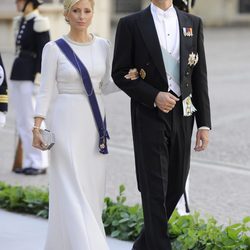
x=165 y=15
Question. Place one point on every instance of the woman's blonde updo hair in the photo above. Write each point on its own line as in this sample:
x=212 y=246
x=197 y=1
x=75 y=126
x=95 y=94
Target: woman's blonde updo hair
x=69 y=3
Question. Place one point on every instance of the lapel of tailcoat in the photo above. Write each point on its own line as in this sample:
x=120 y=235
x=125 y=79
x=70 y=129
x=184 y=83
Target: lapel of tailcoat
x=149 y=34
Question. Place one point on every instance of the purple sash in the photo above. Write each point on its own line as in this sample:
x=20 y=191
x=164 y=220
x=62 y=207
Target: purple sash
x=80 y=67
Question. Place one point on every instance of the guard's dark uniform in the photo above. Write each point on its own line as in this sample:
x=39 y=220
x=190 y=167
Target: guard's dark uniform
x=32 y=35
x=3 y=88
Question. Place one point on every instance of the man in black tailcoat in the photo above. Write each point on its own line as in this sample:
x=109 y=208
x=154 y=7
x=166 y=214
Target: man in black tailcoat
x=165 y=45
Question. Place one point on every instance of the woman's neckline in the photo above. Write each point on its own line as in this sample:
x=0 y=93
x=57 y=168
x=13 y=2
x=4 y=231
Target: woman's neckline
x=67 y=38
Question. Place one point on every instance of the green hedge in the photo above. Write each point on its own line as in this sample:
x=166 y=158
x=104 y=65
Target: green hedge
x=28 y=200
x=125 y=222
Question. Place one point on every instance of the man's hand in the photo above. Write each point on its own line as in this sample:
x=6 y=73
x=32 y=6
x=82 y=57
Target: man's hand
x=165 y=101
x=202 y=136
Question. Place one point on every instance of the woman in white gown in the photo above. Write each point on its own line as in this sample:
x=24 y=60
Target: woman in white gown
x=77 y=172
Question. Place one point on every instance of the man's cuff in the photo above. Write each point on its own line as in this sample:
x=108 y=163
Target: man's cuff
x=204 y=127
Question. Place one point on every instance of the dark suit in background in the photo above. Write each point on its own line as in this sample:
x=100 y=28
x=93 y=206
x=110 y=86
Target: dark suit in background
x=161 y=140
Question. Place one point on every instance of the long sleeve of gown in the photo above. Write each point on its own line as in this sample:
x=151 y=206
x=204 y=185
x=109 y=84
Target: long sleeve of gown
x=48 y=79
x=108 y=86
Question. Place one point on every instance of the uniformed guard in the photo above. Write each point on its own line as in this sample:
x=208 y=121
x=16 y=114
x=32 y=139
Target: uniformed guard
x=32 y=33
x=3 y=94
x=184 y=5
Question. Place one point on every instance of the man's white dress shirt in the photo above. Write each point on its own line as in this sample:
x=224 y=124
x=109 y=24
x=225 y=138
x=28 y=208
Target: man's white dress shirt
x=167 y=27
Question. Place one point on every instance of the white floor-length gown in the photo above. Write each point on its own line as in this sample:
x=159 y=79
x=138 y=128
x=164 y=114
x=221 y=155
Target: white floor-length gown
x=77 y=172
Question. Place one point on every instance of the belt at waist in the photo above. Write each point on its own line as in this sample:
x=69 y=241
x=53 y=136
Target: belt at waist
x=26 y=53
x=76 y=91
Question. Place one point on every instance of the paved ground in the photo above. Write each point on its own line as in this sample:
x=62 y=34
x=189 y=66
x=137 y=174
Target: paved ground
x=29 y=233
x=220 y=177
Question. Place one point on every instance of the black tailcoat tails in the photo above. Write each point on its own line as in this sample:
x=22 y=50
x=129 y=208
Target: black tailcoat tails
x=161 y=140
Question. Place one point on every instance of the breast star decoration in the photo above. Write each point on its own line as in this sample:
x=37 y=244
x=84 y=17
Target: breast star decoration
x=143 y=74
x=193 y=59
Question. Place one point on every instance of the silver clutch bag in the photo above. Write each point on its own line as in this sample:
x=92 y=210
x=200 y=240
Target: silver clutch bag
x=48 y=138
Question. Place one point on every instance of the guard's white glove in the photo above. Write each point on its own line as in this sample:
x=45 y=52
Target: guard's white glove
x=1 y=75
x=2 y=119
x=36 y=86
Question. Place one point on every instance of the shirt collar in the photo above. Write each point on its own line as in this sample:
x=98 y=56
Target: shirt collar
x=161 y=14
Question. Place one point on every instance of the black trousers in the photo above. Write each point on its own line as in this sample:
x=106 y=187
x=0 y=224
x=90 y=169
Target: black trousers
x=162 y=153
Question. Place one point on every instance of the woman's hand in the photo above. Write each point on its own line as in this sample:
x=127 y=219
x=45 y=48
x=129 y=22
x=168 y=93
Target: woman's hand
x=132 y=74
x=37 y=140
